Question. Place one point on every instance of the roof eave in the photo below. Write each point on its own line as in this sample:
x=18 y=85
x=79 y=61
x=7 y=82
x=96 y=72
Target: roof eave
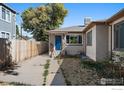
x=115 y=16
x=8 y=8
x=93 y=23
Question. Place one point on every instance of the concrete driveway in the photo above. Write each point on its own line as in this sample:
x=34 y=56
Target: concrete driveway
x=31 y=71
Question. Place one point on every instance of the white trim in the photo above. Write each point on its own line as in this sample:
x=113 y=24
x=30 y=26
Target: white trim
x=5 y=20
x=5 y=34
x=70 y=34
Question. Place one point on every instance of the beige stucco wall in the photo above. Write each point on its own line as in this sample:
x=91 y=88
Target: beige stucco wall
x=91 y=50
x=101 y=42
x=73 y=50
x=99 y=48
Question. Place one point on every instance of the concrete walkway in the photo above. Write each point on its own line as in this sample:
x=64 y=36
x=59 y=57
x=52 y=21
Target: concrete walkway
x=31 y=71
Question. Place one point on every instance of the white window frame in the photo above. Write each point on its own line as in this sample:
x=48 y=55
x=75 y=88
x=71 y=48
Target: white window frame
x=115 y=46
x=5 y=34
x=8 y=12
x=91 y=42
x=4 y=13
x=74 y=43
x=5 y=20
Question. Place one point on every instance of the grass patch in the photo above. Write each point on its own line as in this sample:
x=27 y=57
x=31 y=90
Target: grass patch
x=46 y=71
x=46 y=66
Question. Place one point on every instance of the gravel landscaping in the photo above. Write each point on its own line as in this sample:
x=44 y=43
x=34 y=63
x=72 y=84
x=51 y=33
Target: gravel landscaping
x=76 y=75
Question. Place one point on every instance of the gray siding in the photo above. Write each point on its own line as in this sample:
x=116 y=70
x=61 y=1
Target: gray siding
x=9 y=26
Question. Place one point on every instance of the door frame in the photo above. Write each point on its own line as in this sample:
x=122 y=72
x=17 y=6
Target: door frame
x=55 y=42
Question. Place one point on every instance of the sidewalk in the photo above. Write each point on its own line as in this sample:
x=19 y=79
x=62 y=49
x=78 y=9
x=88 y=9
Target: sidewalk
x=55 y=76
x=30 y=72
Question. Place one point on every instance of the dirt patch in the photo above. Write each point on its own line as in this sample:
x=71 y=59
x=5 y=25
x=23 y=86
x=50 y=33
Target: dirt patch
x=75 y=75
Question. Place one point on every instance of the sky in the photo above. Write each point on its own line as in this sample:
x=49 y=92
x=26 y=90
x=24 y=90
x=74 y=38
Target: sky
x=76 y=11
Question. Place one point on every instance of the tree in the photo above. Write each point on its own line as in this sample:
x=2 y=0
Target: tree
x=17 y=31
x=41 y=19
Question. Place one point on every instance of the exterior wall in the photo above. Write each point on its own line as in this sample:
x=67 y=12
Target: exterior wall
x=84 y=44
x=9 y=27
x=91 y=50
x=101 y=42
x=99 y=48
x=73 y=50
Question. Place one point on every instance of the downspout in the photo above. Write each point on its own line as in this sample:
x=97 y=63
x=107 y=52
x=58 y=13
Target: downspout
x=111 y=42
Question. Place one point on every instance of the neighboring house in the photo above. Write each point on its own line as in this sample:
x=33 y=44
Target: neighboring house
x=100 y=38
x=7 y=22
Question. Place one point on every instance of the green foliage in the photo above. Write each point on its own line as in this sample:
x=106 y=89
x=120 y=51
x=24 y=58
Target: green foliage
x=46 y=66
x=73 y=39
x=45 y=73
x=41 y=19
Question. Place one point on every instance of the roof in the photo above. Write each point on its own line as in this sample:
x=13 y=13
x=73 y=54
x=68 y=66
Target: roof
x=78 y=28
x=12 y=10
x=116 y=16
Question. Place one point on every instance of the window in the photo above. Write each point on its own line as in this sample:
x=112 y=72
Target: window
x=89 y=38
x=119 y=35
x=74 y=39
x=67 y=39
x=3 y=34
x=7 y=35
x=3 y=13
x=8 y=15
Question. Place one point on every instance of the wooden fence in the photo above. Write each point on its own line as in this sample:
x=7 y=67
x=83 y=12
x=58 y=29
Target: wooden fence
x=22 y=49
x=19 y=50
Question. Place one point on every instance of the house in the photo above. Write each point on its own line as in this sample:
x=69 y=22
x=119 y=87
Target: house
x=7 y=22
x=97 y=39
x=67 y=40
x=103 y=38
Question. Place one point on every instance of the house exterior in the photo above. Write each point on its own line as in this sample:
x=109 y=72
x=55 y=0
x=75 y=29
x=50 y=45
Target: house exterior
x=7 y=22
x=66 y=40
x=100 y=39
x=106 y=38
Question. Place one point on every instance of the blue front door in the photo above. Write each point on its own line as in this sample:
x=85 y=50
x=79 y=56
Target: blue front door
x=58 y=42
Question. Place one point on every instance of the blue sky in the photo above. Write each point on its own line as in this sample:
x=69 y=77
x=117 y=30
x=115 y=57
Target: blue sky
x=76 y=11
